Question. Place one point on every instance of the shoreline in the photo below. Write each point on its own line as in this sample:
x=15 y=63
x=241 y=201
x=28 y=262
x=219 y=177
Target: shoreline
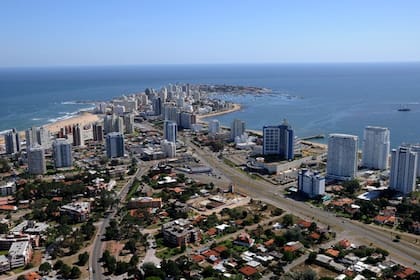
x=235 y=107
x=82 y=117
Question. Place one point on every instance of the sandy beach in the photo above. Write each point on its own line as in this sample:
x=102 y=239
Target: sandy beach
x=82 y=118
x=235 y=107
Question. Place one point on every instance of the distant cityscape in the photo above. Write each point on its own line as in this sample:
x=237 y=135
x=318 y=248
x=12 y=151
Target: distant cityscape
x=160 y=162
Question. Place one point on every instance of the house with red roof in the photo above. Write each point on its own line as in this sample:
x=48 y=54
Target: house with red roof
x=248 y=271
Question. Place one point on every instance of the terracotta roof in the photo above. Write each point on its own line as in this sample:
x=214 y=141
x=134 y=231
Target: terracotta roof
x=209 y=253
x=197 y=258
x=315 y=235
x=220 y=248
x=269 y=242
x=32 y=276
x=405 y=273
x=248 y=270
x=332 y=252
x=8 y=207
x=212 y=231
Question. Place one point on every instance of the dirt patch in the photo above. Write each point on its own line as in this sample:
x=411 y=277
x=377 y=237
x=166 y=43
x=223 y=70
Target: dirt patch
x=36 y=258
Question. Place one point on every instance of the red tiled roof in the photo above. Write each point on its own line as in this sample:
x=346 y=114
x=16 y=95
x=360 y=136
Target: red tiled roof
x=209 y=253
x=332 y=252
x=211 y=231
x=220 y=248
x=304 y=224
x=344 y=243
x=269 y=242
x=405 y=273
x=197 y=258
x=248 y=270
x=315 y=235
x=32 y=276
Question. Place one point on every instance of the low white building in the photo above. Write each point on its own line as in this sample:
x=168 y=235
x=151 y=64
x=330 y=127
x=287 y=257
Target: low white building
x=20 y=254
x=311 y=183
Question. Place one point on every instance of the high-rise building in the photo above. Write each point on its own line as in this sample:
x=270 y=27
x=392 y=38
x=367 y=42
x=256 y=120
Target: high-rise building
x=169 y=148
x=342 y=156
x=115 y=145
x=36 y=161
x=78 y=136
x=113 y=123
x=214 y=127
x=375 y=147
x=37 y=136
x=12 y=142
x=311 y=183
x=97 y=131
x=416 y=148
x=129 y=123
x=170 y=131
x=62 y=153
x=237 y=129
x=157 y=106
x=187 y=120
x=279 y=140
x=403 y=170
x=171 y=113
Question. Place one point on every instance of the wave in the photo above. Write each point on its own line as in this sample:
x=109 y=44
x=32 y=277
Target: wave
x=69 y=103
x=36 y=119
x=4 y=131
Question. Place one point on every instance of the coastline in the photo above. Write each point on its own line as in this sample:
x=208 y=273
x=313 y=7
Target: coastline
x=82 y=118
x=235 y=107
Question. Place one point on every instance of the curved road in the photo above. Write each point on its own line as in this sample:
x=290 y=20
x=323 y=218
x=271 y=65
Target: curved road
x=404 y=252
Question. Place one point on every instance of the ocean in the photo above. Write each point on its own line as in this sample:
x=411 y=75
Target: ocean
x=314 y=98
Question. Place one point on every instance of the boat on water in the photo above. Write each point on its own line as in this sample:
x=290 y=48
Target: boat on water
x=404 y=108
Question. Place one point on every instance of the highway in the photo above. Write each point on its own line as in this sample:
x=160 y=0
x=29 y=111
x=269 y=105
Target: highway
x=403 y=252
x=96 y=271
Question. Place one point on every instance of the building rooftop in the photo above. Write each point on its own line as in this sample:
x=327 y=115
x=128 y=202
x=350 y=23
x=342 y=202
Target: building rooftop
x=18 y=248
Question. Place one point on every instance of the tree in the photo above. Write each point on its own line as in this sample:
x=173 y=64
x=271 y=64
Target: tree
x=313 y=226
x=83 y=259
x=45 y=268
x=65 y=270
x=75 y=272
x=351 y=186
x=4 y=228
x=130 y=246
x=287 y=220
x=58 y=264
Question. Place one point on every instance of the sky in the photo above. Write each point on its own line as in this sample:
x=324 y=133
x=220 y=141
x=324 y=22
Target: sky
x=135 y=32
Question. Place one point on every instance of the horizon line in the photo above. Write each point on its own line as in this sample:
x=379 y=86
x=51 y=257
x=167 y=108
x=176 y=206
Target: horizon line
x=206 y=64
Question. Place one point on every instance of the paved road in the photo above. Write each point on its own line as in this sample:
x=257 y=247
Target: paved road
x=96 y=271
x=404 y=252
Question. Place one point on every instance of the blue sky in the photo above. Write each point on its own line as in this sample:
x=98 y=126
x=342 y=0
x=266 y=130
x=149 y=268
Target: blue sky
x=119 y=32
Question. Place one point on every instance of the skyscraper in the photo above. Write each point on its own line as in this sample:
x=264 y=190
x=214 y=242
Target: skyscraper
x=375 y=147
x=114 y=145
x=12 y=142
x=78 y=136
x=342 y=156
x=36 y=161
x=62 y=153
x=403 y=170
x=214 y=127
x=279 y=140
x=37 y=136
x=416 y=148
x=97 y=131
x=170 y=131
x=157 y=106
x=237 y=129
x=129 y=123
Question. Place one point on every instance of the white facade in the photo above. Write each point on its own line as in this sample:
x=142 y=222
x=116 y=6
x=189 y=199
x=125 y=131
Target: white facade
x=342 y=156
x=214 y=127
x=62 y=153
x=376 y=145
x=169 y=148
x=237 y=129
x=20 y=253
x=416 y=149
x=311 y=183
x=403 y=170
x=36 y=161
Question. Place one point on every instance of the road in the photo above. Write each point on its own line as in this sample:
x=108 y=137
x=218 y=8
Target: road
x=403 y=252
x=95 y=271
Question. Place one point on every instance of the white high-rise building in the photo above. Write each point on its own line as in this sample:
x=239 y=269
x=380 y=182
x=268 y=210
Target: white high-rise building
x=214 y=127
x=36 y=161
x=376 y=147
x=129 y=123
x=62 y=153
x=416 y=148
x=342 y=156
x=37 y=136
x=403 y=170
x=311 y=183
x=170 y=131
x=169 y=148
x=115 y=145
x=237 y=129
